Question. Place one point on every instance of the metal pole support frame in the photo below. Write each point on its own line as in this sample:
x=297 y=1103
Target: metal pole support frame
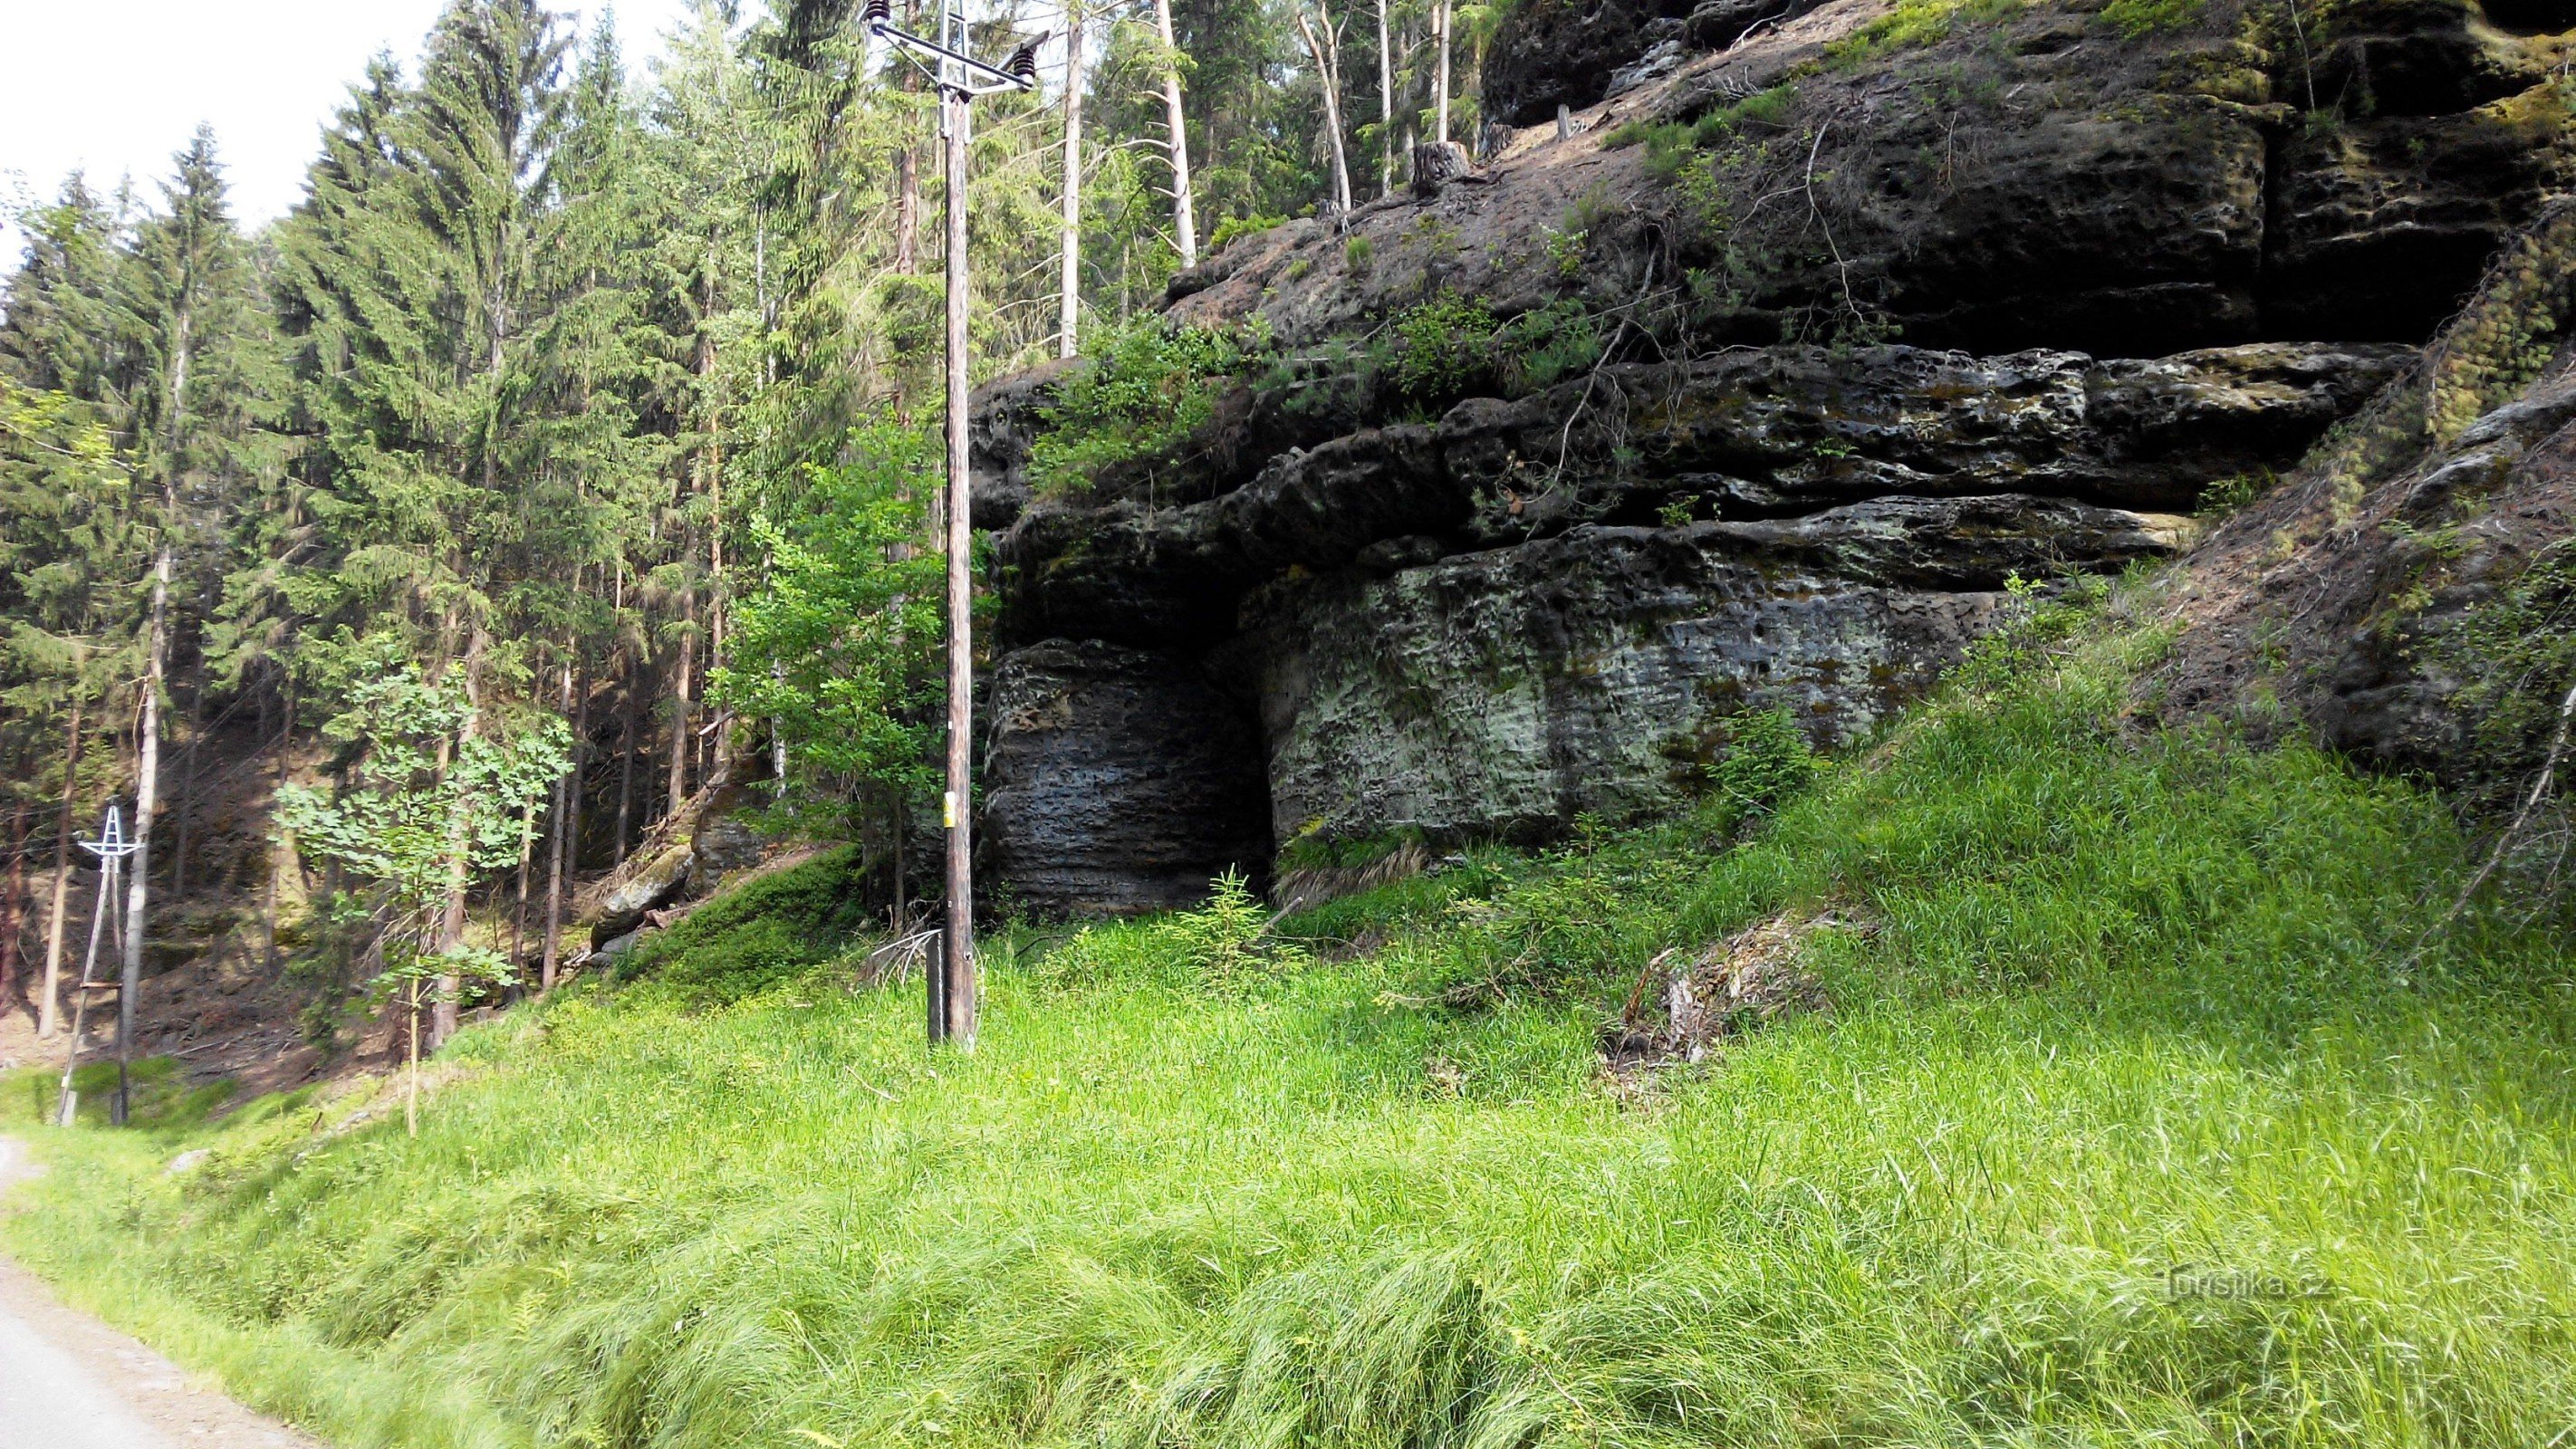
x=111 y=848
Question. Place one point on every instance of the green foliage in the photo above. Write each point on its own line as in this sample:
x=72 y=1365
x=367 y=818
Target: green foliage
x=1671 y=146
x=1312 y=849
x=1221 y=946
x=1232 y=227
x=840 y=649
x=766 y=932
x=433 y=789
x=1767 y=760
x=1545 y=346
x=2038 y=621
x=1437 y=350
x=1148 y=387
x=2138 y=19
x=1356 y=253
x=2514 y=655
x=2233 y=492
x=1912 y=25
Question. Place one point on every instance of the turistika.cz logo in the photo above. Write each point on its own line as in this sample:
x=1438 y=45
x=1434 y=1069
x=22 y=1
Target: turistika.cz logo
x=2198 y=1280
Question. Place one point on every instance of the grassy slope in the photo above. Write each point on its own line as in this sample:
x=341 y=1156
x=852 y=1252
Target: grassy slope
x=2133 y=1003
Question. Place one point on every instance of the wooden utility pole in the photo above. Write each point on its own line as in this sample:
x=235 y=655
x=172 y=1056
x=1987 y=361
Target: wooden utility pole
x=955 y=999
x=1185 y=232
x=961 y=79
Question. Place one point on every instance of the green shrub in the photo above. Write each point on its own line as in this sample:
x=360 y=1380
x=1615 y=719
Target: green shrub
x=2235 y=491
x=1148 y=387
x=759 y=934
x=2138 y=19
x=1767 y=760
x=1441 y=349
x=1913 y=24
x=1221 y=945
x=1240 y=226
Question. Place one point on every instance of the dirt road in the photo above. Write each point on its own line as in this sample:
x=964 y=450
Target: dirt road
x=68 y=1381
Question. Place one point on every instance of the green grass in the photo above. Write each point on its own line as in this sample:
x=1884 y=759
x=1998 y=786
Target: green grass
x=2133 y=1003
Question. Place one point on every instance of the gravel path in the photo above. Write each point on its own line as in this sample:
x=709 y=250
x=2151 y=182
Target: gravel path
x=68 y=1381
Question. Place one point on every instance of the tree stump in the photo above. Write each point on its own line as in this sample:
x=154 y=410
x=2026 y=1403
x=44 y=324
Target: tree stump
x=1436 y=164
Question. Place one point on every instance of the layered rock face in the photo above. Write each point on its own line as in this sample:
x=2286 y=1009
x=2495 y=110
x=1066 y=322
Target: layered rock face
x=1545 y=607
x=1333 y=614
x=1118 y=779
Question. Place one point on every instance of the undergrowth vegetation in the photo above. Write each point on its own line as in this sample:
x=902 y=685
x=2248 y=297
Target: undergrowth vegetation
x=1147 y=388
x=2138 y=1118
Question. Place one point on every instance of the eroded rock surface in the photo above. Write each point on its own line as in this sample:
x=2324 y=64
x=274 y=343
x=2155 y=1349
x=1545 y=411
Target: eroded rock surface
x=1508 y=691
x=1118 y=780
x=2122 y=267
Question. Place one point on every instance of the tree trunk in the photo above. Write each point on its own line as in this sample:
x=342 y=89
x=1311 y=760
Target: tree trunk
x=907 y=171
x=1385 y=104
x=1440 y=101
x=147 y=798
x=49 y=1012
x=282 y=854
x=13 y=914
x=907 y=211
x=1326 y=48
x=1185 y=230
x=558 y=865
x=680 y=719
x=519 y=908
x=626 y=764
x=1068 y=341
x=188 y=782
x=443 y=1012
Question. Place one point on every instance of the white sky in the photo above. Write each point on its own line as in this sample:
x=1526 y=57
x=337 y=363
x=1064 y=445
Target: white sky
x=115 y=86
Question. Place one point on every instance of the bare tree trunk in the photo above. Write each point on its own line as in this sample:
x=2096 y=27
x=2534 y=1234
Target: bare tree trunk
x=1440 y=102
x=1326 y=48
x=567 y=800
x=626 y=763
x=49 y=1018
x=907 y=211
x=680 y=718
x=519 y=909
x=1185 y=230
x=1385 y=104
x=281 y=854
x=443 y=1012
x=13 y=913
x=907 y=172
x=188 y=783
x=147 y=799
x=1068 y=340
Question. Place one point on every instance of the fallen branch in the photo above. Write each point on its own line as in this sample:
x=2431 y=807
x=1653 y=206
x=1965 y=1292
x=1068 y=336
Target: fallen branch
x=2512 y=832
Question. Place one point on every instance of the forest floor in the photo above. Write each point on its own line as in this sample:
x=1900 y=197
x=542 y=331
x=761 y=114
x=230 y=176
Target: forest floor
x=2038 y=1074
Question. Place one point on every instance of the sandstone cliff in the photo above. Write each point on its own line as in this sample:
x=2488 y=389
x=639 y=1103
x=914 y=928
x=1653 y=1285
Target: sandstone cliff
x=1883 y=305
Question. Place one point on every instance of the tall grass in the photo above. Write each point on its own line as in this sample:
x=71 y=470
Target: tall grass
x=2127 y=1127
